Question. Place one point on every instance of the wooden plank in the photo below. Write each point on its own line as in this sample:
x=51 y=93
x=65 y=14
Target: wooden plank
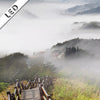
x=31 y=94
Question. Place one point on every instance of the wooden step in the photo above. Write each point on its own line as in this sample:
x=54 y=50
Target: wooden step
x=31 y=94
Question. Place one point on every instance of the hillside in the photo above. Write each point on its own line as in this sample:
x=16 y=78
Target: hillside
x=90 y=47
x=79 y=61
x=78 y=57
x=22 y=67
x=11 y=66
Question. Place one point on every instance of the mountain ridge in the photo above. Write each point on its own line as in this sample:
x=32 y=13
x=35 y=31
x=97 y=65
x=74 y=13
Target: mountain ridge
x=89 y=8
x=85 y=47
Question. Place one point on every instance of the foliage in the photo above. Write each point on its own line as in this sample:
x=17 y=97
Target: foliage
x=3 y=86
x=74 y=90
x=15 y=66
x=3 y=94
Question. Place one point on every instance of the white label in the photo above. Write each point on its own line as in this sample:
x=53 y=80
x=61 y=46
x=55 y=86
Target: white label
x=12 y=11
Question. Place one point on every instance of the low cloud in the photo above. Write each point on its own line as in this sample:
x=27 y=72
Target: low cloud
x=95 y=25
x=91 y=25
x=26 y=13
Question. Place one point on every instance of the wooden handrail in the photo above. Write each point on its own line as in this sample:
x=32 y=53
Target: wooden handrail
x=44 y=91
x=9 y=95
x=38 y=82
x=45 y=94
x=44 y=98
x=17 y=92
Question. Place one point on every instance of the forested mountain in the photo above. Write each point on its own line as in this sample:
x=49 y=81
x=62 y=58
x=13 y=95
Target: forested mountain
x=22 y=67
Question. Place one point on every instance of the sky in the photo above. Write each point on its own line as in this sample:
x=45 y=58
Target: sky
x=39 y=26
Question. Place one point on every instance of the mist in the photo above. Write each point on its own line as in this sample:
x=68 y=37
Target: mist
x=37 y=27
x=82 y=68
x=84 y=64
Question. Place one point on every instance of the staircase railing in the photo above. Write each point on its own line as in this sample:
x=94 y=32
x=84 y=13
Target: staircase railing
x=42 y=83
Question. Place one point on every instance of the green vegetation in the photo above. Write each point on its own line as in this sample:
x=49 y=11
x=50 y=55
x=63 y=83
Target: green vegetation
x=3 y=94
x=15 y=66
x=71 y=87
x=3 y=86
x=11 y=66
x=64 y=89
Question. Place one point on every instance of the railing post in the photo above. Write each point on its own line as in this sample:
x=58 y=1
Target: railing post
x=13 y=96
x=32 y=84
x=18 y=97
x=17 y=83
x=41 y=83
x=28 y=84
x=19 y=91
x=48 y=97
x=9 y=95
x=23 y=87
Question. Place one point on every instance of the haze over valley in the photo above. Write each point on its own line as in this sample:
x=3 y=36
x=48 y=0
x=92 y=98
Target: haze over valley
x=55 y=39
x=46 y=25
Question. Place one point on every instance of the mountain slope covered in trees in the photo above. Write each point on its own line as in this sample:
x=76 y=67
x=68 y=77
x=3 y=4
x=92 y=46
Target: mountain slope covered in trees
x=22 y=67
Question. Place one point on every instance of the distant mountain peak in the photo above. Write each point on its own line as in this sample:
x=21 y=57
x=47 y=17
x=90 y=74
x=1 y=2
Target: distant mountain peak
x=78 y=48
